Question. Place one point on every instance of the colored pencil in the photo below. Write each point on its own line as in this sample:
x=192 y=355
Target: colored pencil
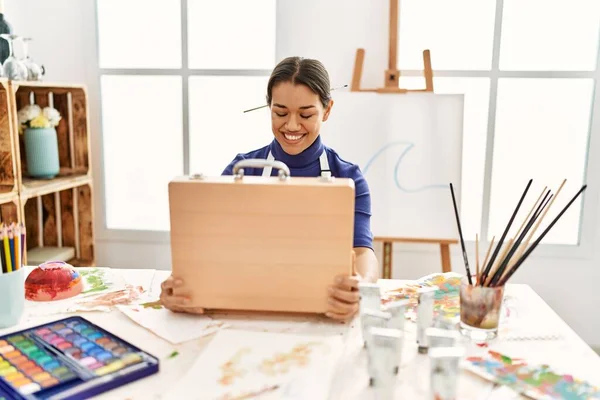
x=539 y=239
x=3 y=266
x=11 y=242
x=462 y=242
x=486 y=271
x=6 y=250
x=17 y=247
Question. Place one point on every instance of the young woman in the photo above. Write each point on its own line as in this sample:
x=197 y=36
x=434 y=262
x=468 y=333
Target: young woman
x=298 y=94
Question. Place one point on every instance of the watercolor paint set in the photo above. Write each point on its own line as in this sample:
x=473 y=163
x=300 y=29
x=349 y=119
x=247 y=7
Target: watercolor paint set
x=71 y=358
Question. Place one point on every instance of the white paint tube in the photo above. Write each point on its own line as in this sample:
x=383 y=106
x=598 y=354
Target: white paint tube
x=372 y=319
x=382 y=359
x=397 y=309
x=445 y=370
x=424 y=315
x=370 y=296
x=437 y=337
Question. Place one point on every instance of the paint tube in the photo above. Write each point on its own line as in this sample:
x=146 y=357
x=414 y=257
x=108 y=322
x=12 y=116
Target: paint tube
x=437 y=337
x=424 y=315
x=370 y=296
x=382 y=359
x=444 y=323
x=370 y=319
x=444 y=372
x=397 y=310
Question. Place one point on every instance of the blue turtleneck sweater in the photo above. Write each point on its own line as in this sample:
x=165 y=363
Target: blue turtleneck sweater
x=307 y=164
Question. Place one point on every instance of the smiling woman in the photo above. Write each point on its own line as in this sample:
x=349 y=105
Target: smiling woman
x=298 y=95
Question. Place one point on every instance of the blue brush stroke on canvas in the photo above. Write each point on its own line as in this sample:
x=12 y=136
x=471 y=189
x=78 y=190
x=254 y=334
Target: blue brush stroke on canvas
x=409 y=147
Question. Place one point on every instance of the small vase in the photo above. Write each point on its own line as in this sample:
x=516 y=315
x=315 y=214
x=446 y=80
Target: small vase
x=41 y=151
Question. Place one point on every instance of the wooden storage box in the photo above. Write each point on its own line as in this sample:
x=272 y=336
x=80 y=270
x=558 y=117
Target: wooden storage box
x=62 y=219
x=72 y=130
x=258 y=243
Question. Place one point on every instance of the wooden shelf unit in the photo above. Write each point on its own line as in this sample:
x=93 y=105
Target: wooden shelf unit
x=59 y=211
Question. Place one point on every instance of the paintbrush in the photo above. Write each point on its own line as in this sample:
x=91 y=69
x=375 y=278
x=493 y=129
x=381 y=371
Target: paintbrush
x=486 y=271
x=462 y=242
x=266 y=105
x=539 y=239
x=506 y=259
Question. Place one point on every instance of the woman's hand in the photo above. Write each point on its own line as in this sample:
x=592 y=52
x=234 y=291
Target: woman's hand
x=343 y=298
x=174 y=298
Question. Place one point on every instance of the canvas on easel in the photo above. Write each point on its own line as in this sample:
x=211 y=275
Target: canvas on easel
x=261 y=243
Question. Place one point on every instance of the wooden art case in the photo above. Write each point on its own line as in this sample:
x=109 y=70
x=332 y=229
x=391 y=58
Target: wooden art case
x=261 y=243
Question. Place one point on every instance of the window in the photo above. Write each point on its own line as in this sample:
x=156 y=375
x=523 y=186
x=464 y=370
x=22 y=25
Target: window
x=528 y=70
x=169 y=77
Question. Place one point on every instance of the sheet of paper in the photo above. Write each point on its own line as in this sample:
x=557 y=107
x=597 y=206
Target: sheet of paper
x=103 y=288
x=174 y=327
x=240 y=364
x=539 y=382
x=280 y=323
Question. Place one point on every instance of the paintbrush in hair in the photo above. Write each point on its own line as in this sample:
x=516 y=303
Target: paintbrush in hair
x=539 y=239
x=266 y=105
x=462 y=242
x=506 y=259
x=486 y=271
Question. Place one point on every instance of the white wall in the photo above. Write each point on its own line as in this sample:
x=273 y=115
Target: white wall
x=65 y=42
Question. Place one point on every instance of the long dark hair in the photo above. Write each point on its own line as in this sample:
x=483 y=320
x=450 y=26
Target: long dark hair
x=305 y=71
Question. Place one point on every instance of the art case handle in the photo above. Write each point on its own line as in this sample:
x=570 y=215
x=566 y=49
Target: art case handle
x=238 y=168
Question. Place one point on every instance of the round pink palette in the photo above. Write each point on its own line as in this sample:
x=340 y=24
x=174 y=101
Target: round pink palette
x=53 y=280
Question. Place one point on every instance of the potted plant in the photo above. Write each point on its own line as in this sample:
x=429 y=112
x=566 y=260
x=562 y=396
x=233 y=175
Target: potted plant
x=41 y=144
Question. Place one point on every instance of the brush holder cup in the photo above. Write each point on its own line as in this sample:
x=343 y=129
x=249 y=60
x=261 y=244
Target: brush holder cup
x=480 y=308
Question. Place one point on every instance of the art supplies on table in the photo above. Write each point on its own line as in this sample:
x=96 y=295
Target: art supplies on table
x=70 y=358
x=540 y=382
x=12 y=247
x=249 y=242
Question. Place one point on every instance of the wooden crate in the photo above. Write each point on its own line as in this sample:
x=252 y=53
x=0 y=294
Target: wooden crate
x=57 y=212
x=72 y=131
x=62 y=218
x=10 y=209
x=8 y=161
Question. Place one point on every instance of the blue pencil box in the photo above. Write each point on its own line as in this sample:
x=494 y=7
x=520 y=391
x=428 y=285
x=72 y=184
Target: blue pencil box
x=70 y=358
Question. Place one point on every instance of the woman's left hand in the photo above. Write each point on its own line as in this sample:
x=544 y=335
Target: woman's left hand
x=344 y=298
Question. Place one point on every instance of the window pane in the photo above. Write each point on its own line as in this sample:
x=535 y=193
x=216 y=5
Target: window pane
x=139 y=33
x=541 y=134
x=544 y=35
x=231 y=34
x=143 y=142
x=219 y=129
x=459 y=34
x=477 y=93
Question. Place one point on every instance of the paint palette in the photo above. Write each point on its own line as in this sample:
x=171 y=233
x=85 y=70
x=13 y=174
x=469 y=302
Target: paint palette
x=69 y=358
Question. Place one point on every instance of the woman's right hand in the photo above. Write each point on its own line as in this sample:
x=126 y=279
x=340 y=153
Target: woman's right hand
x=174 y=298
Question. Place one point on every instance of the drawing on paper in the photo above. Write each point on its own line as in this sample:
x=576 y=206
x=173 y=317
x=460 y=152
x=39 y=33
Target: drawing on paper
x=409 y=147
x=239 y=363
x=446 y=303
x=95 y=280
x=536 y=381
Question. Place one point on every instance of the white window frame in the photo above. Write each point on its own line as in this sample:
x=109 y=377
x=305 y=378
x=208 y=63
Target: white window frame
x=590 y=205
x=103 y=233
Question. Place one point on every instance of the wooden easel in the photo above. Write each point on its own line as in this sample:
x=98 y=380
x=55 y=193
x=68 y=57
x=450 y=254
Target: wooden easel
x=391 y=85
x=392 y=74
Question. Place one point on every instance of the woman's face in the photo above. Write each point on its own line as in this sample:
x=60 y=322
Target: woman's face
x=296 y=116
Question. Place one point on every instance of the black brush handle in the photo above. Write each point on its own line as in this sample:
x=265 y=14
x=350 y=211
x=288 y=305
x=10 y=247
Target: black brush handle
x=499 y=245
x=462 y=242
x=519 y=240
x=539 y=239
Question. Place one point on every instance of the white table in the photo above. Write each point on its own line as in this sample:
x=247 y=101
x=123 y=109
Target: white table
x=568 y=350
